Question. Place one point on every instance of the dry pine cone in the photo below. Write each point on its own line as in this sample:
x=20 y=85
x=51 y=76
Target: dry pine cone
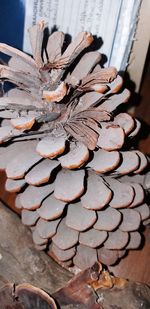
x=65 y=148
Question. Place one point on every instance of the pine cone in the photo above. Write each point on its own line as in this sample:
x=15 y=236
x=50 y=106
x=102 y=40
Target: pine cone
x=65 y=148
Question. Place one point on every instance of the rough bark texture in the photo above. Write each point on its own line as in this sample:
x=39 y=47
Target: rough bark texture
x=133 y=296
x=20 y=262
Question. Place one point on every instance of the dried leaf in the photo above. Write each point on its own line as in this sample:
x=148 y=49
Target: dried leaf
x=78 y=290
x=25 y=296
x=93 y=114
x=82 y=133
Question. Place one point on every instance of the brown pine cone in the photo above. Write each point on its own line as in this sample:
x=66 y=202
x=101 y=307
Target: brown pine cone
x=65 y=146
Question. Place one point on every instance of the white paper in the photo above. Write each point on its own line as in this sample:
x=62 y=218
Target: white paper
x=110 y=20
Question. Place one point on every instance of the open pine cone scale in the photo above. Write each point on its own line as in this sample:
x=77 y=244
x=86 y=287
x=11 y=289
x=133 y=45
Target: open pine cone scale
x=63 y=147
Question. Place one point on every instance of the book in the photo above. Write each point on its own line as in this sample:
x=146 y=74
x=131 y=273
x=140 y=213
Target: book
x=113 y=22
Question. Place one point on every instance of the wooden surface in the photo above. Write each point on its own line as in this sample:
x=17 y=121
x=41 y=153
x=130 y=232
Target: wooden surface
x=20 y=261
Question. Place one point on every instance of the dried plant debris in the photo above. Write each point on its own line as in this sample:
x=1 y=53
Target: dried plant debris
x=95 y=288
x=66 y=148
x=25 y=296
x=92 y=288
